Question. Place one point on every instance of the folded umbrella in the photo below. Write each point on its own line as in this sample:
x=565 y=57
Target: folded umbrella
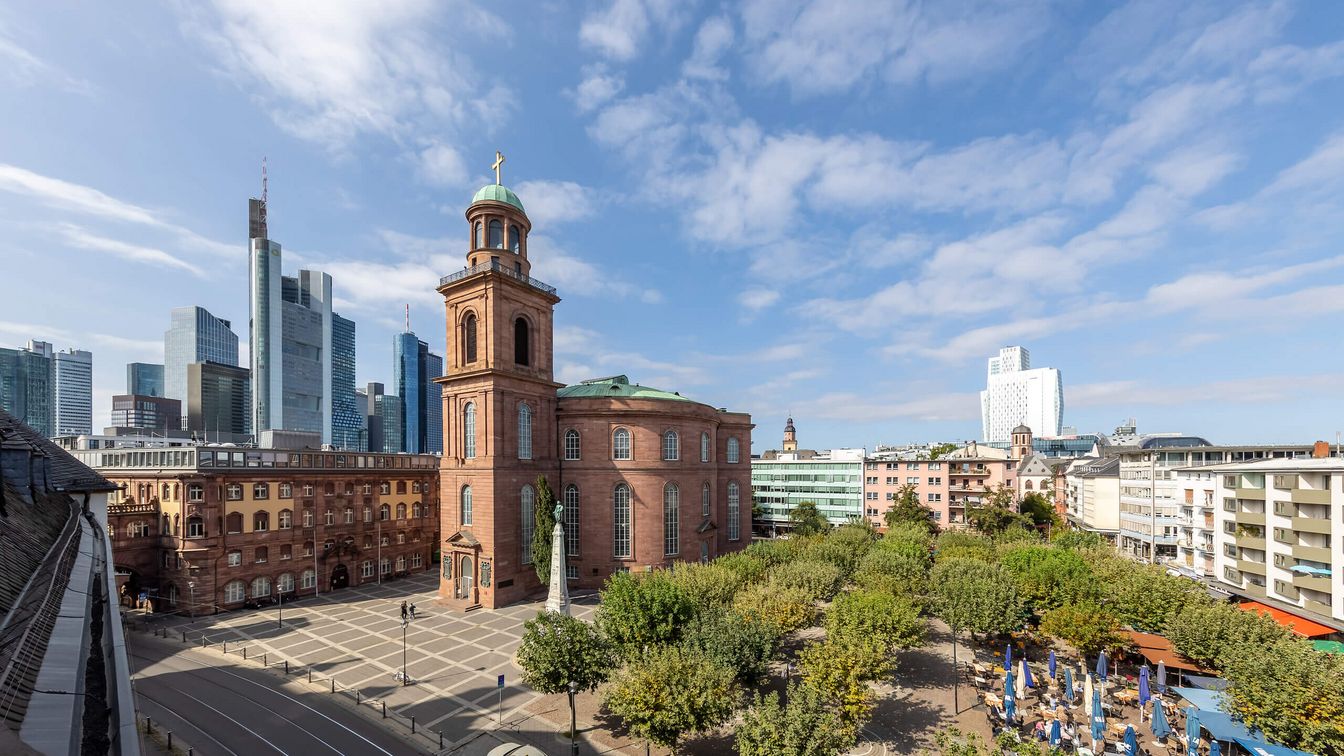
x=1144 y=693
x=1051 y=664
x=1161 y=728
x=1087 y=696
x=1008 y=656
x=1101 y=666
x=1008 y=684
x=1026 y=675
x=1215 y=749
x=1131 y=741
x=1068 y=683
x=1054 y=733
x=1162 y=676
x=1098 y=717
x=1192 y=731
x=1020 y=684
x=1009 y=709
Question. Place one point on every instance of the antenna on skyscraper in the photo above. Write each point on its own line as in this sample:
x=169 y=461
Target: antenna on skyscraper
x=263 y=188
x=408 y=317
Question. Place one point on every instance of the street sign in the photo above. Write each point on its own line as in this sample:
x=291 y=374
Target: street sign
x=500 y=684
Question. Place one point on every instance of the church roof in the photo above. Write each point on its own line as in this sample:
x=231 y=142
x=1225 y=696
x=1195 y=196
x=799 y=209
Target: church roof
x=498 y=193
x=616 y=386
x=1022 y=429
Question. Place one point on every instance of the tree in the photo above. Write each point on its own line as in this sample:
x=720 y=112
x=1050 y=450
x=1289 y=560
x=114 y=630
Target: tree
x=906 y=510
x=1211 y=633
x=896 y=571
x=707 y=585
x=843 y=547
x=805 y=726
x=558 y=649
x=957 y=544
x=1086 y=627
x=972 y=595
x=747 y=569
x=819 y=579
x=1079 y=540
x=1290 y=691
x=670 y=692
x=544 y=530
x=840 y=670
x=1050 y=577
x=938 y=451
x=806 y=520
x=740 y=644
x=781 y=609
x=878 y=615
x=640 y=611
x=1144 y=596
x=995 y=514
x=1039 y=510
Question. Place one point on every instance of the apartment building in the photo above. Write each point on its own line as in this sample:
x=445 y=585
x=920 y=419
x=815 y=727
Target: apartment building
x=946 y=486
x=1092 y=496
x=833 y=480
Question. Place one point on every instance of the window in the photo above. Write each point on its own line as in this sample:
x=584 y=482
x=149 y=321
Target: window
x=469 y=431
x=571 y=572
x=480 y=236
x=572 y=444
x=671 y=446
x=235 y=558
x=308 y=518
x=366 y=568
x=416 y=560
x=261 y=491
x=704 y=500
x=329 y=516
x=401 y=536
x=469 y=338
x=349 y=515
x=260 y=554
x=235 y=591
x=285 y=583
x=495 y=235
x=620 y=518
x=385 y=488
x=286 y=551
x=734 y=513
x=233 y=523
x=367 y=489
x=137 y=529
x=261 y=587
x=415 y=510
x=195 y=527
x=704 y=552
x=385 y=566
x=521 y=352
x=524 y=431
x=704 y=447
x=733 y=451
x=415 y=486
x=195 y=492
x=286 y=519
x=401 y=564
x=261 y=521
x=871 y=496
x=671 y=524
x=234 y=491
x=515 y=239
x=401 y=486
x=620 y=444
x=307 y=488
x=308 y=579
x=529 y=502
x=384 y=513
x=466 y=506
x=401 y=511
x=571 y=515
x=384 y=541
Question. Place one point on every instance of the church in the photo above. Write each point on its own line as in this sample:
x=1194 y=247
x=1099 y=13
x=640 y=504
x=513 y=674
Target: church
x=647 y=477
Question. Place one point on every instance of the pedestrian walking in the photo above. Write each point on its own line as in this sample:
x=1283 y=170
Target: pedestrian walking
x=403 y=611
x=412 y=611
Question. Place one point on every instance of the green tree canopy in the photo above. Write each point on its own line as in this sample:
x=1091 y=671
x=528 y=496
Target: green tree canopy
x=819 y=579
x=543 y=511
x=670 y=692
x=1050 y=577
x=1039 y=510
x=558 y=649
x=708 y=585
x=1290 y=691
x=841 y=668
x=1144 y=596
x=996 y=512
x=1086 y=627
x=730 y=639
x=641 y=611
x=937 y=451
x=898 y=571
x=806 y=726
x=907 y=510
x=875 y=614
x=957 y=544
x=748 y=569
x=781 y=609
x=975 y=596
x=1212 y=632
x=807 y=520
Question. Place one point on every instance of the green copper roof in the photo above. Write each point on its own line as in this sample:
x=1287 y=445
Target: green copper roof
x=498 y=193
x=617 y=386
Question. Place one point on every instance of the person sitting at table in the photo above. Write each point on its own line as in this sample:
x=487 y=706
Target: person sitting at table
x=1040 y=729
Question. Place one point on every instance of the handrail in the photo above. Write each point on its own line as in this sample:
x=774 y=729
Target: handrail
x=498 y=267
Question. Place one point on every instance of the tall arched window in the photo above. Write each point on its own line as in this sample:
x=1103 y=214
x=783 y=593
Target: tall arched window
x=469 y=338
x=704 y=447
x=620 y=444
x=733 y=450
x=495 y=236
x=515 y=239
x=671 y=521
x=734 y=512
x=572 y=444
x=469 y=431
x=671 y=446
x=235 y=591
x=524 y=431
x=620 y=522
x=571 y=515
x=704 y=500
x=521 y=349
x=529 y=503
x=261 y=587
x=480 y=236
x=466 y=506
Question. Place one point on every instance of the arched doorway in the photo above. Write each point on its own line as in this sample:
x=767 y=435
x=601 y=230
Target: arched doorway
x=340 y=577
x=464 y=578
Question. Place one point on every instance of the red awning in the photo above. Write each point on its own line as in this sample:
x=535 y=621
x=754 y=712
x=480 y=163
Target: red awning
x=1303 y=627
x=1156 y=648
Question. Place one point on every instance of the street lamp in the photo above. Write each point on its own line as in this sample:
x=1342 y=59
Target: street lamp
x=191 y=586
x=404 y=622
x=573 y=733
x=280 y=621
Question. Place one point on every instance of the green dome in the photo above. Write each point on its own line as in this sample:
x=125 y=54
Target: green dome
x=498 y=193
x=617 y=386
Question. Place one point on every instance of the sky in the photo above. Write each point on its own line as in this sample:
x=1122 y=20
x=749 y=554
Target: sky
x=835 y=210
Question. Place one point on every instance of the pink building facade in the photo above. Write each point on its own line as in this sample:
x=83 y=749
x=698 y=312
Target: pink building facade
x=946 y=486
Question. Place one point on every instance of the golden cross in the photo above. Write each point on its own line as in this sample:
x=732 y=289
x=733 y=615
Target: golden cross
x=499 y=161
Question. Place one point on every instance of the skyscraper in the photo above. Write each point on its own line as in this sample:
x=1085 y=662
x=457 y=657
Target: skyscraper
x=414 y=369
x=217 y=399
x=28 y=385
x=194 y=335
x=144 y=379
x=74 y=392
x=296 y=345
x=433 y=399
x=388 y=408
x=1015 y=394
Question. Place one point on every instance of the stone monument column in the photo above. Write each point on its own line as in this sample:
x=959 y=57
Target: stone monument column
x=557 y=600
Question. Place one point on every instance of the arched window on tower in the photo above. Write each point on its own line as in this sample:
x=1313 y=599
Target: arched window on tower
x=571 y=515
x=529 y=503
x=620 y=520
x=515 y=239
x=671 y=520
x=469 y=338
x=466 y=507
x=480 y=236
x=469 y=431
x=495 y=235
x=620 y=444
x=704 y=500
x=733 y=453
x=572 y=444
x=704 y=447
x=524 y=431
x=671 y=446
x=521 y=350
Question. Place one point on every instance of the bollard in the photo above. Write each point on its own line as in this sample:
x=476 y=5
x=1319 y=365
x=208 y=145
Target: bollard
x=170 y=740
x=263 y=660
x=184 y=636
x=333 y=685
x=226 y=648
x=356 y=696
x=149 y=725
x=191 y=752
x=310 y=675
x=384 y=709
x=244 y=653
x=286 y=666
x=440 y=740
x=412 y=724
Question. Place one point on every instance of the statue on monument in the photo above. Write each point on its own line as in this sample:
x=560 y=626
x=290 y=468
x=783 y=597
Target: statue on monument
x=557 y=600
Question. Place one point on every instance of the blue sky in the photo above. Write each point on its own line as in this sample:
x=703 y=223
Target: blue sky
x=834 y=209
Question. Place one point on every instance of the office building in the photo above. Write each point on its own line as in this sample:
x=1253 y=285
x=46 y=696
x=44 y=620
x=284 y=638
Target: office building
x=74 y=392
x=217 y=399
x=302 y=357
x=414 y=369
x=388 y=409
x=207 y=528
x=146 y=412
x=1016 y=394
x=1092 y=496
x=194 y=335
x=28 y=385
x=833 y=480
x=144 y=379
x=373 y=423
x=945 y=486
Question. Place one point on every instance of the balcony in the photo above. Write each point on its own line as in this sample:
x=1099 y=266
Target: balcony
x=1309 y=496
x=975 y=472
x=1285 y=482
x=1317 y=608
x=1251 y=493
x=1312 y=582
x=497 y=267
x=1255 y=568
x=1311 y=525
x=1249 y=518
x=1204 y=546
x=1247 y=540
x=1312 y=553
x=1252 y=589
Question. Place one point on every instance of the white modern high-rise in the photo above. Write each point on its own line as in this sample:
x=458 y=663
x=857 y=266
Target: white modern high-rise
x=74 y=392
x=1015 y=394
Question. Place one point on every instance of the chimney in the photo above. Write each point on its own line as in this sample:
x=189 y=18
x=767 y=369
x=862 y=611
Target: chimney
x=1320 y=450
x=16 y=467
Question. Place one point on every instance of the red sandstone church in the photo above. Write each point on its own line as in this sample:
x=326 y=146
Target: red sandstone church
x=647 y=477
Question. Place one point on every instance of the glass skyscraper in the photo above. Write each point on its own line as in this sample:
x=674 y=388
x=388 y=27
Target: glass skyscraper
x=433 y=400
x=414 y=368
x=74 y=392
x=347 y=419
x=194 y=335
x=28 y=385
x=146 y=379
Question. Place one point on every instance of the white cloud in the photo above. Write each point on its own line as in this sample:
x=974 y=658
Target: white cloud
x=1241 y=391
x=15 y=331
x=63 y=194
x=1315 y=178
x=573 y=275
x=714 y=38
x=442 y=165
x=758 y=299
x=79 y=237
x=620 y=29
x=21 y=67
x=553 y=202
x=596 y=89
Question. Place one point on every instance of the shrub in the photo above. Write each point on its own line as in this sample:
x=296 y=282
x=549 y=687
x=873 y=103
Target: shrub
x=707 y=585
x=782 y=610
x=955 y=544
x=840 y=670
x=969 y=594
x=1086 y=627
x=669 y=693
x=740 y=644
x=896 y=571
x=1213 y=633
x=881 y=616
x=820 y=580
x=1050 y=577
x=748 y=569
x=558 y=649
x=806 y=725
x=639 y=611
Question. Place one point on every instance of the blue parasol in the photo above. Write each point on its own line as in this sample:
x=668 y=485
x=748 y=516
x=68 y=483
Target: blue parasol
x=1215 y=748
x=1162 y=676
x=1054 y=734
x=1161 y=728
x=1101 y=666
x=1051 y=664
x=1009 y=708
x=1144 y=693
x=1008 y=684
x=1098 y=717
x=1008 y=656
x=1026 y=675
x=1192 y=731
x=1131 y=741
x=1068 y=682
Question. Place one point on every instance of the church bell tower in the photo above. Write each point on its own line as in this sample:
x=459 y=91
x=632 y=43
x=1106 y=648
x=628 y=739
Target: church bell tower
x=790 y=437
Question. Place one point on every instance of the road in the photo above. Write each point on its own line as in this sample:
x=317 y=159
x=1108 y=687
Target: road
x=226 y=710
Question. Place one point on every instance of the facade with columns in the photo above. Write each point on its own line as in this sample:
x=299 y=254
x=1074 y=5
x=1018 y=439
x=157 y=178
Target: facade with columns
x=647 y=477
